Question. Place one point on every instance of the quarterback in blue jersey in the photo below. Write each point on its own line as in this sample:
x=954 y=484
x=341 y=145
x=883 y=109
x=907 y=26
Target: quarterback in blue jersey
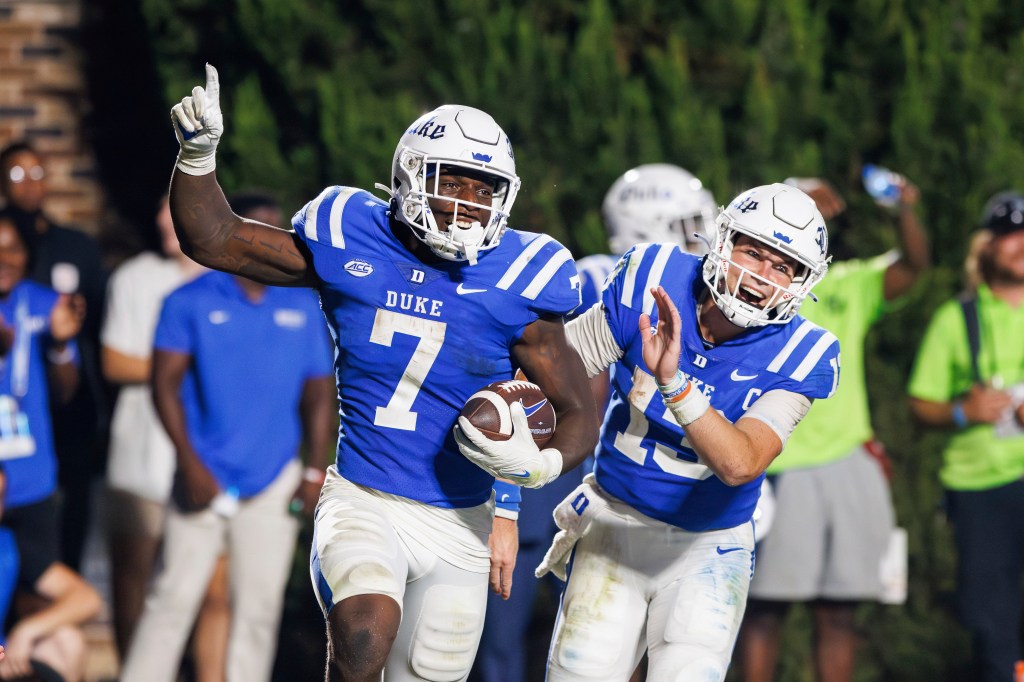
x=656 y=202
x=429 y=298
x=711 y=371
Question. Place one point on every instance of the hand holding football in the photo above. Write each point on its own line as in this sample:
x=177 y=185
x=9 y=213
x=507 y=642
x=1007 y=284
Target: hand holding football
x=488 y=410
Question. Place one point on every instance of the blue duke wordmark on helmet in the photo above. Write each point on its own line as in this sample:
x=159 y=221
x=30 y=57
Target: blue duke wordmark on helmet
x=658 y=202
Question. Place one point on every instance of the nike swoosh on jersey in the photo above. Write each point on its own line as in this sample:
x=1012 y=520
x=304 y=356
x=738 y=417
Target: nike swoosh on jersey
x=530 y=409
x=525 y=474
x=727 y=550
x=736 y=376
x=461 y=289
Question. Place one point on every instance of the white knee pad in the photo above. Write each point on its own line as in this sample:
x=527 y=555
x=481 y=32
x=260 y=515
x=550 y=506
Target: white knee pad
x=698 y=639
x=355 y=552
x=447 y=634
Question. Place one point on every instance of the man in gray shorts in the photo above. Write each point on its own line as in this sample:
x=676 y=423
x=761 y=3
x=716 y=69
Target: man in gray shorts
x=833 y=553
x=833 y=515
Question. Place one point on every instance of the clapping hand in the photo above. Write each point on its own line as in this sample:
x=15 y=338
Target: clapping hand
x=661 y=345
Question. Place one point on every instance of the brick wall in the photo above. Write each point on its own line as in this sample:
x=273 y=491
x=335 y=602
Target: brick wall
x=43 y=99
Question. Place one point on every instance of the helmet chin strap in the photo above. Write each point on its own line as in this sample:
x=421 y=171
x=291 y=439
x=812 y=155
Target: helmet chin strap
x=468 y=239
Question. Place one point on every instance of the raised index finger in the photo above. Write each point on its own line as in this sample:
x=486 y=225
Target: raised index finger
x=212 y=85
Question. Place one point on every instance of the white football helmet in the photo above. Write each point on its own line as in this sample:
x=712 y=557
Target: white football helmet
x=785 y=219
x=658 y=202
x=464 y=140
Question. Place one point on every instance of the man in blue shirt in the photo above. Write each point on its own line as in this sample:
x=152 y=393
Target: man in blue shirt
x=241 y=379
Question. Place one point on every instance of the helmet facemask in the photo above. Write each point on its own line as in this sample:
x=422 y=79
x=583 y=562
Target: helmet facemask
x=452 y=242
x=459 y=141
x=690 y=231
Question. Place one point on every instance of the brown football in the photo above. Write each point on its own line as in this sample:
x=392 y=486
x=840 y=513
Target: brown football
x=487 y=410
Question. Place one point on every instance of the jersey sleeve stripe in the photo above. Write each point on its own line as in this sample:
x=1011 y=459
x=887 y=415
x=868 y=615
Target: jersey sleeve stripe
x=337 y=210
x=654 y=279
x=788 y=349
x=812 y=358
x=632 y=269
x=546 y=273
x=313 y=210
x=520 y=263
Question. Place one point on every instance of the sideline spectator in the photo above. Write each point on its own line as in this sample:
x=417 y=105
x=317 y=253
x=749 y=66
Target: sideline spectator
x=69 y=261
x=46 y=643
x=833 y=512
x=242 y=375
x=977 y=394
x=37 y=328
x=141 y=460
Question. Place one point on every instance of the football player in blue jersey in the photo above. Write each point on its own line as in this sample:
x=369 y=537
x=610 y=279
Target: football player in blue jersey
x=429 y=298
x=711 y=369
x=655 y=202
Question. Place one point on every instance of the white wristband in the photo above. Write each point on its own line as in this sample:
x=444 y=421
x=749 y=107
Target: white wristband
x=199 y=165
x=506 y=514
x=690 y=408
x=61 y=357
x=314 y=475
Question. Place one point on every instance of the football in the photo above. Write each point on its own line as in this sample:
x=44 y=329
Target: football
x=488 y=410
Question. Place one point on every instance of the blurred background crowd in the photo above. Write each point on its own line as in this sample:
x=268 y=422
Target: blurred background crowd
x=317 y=93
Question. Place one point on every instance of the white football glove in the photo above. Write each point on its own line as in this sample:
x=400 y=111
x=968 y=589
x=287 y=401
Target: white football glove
x=199 y=123
x=517 y=459
x=573 y=516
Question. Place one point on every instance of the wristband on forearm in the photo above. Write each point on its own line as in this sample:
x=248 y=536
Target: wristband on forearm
x=959 y=416
x=61 y=357
x=683 y=400
x=507 y=497
x=196 y=164
x=314 y=475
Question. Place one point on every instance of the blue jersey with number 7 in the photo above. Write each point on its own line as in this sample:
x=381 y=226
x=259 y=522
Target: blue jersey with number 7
x=416 y=340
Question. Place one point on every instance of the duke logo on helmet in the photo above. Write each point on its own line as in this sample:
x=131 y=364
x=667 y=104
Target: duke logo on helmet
x=748 y=205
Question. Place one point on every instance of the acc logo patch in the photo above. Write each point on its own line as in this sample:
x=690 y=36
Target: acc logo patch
x=358 y=268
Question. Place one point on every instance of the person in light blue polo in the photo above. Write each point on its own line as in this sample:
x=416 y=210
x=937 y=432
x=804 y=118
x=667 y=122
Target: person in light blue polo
x=242 y=376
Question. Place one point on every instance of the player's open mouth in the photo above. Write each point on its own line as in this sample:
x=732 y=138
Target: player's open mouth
x=751 y=296
x=462 y=223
